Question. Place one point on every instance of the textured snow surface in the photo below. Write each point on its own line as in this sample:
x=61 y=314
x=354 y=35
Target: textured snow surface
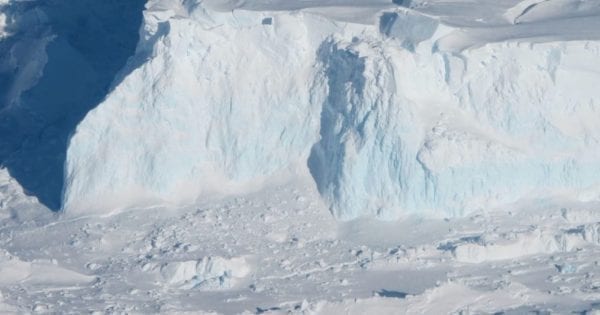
x=238 y=125
x=279 y=251
x=405 y=114
x=208 y=273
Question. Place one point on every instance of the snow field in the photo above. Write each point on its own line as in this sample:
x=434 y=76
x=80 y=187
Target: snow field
x=279 y=251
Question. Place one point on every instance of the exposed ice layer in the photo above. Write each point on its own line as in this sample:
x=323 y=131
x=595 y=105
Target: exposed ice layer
x=222 y=102
x=453 y=134
x=208 y=273
x=219 y=102
x=356 y=166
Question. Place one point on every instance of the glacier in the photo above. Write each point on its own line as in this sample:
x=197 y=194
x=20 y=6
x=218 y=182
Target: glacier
x=215 y=116
x=392 y=112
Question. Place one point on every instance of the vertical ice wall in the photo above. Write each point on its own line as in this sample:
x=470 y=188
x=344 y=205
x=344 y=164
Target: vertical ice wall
x=448 y=134
x=222 y=102
x=387 y=123
x=359 y=164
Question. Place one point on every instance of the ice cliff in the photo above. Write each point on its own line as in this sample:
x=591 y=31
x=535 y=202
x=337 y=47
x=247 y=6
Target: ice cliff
x=391 y=110
x=58 y=59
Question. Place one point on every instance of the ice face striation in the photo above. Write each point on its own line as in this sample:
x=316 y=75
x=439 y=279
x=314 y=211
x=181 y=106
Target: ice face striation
x=448 y=133
x=359 y=162
x=220 y=102
x=389 y=119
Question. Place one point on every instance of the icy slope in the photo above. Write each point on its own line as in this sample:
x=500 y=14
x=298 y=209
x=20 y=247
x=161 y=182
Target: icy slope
x=391 y=117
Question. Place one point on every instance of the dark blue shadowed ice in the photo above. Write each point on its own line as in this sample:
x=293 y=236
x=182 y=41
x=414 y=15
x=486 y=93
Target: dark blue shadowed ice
x=87 y=42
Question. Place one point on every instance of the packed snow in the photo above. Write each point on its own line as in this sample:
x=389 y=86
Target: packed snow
x=300 y=157
x=279 y=251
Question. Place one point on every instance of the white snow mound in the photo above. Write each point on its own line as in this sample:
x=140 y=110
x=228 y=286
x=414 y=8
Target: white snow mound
x=208 y=273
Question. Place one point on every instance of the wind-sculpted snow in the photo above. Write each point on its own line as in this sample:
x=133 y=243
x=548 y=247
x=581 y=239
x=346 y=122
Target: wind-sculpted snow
x=391 y=117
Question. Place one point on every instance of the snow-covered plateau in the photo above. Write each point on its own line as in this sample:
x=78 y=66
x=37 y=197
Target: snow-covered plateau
x=300 y=156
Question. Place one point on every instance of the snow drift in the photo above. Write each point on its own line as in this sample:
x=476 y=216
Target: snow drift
x=390 y=117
